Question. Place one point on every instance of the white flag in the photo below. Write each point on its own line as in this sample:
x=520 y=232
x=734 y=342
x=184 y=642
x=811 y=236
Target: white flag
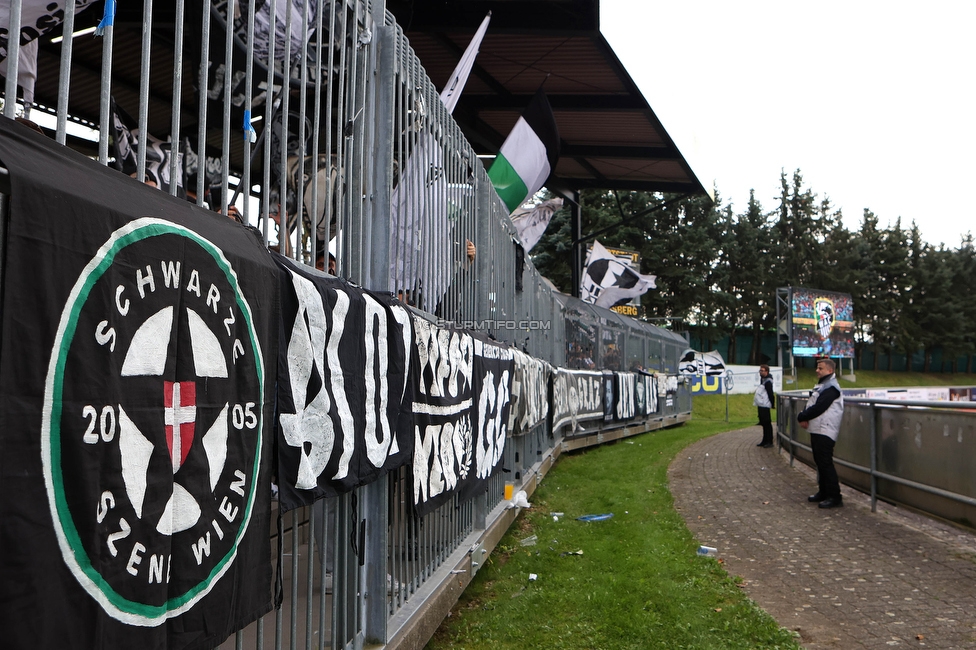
x=423 y=256
x=608 y=281
x=452 y=90
x=424 y=206
x=531 y=222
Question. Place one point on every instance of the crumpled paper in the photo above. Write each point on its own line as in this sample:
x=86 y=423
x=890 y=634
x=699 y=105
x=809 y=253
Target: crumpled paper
x=520 y=500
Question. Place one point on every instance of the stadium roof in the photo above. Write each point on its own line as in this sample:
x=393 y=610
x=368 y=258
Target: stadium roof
x=611 y=138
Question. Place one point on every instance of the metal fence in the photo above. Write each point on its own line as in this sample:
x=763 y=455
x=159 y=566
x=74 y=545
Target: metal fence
x=317 y=123
x=917 y=454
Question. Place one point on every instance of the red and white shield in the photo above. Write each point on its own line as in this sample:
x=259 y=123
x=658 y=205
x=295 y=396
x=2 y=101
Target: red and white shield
x=180 y=414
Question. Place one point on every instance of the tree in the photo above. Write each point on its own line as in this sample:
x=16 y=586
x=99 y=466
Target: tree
x=797 y=247
x=963 y=272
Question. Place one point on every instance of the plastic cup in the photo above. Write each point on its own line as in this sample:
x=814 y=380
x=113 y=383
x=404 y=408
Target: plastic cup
x=509 y=489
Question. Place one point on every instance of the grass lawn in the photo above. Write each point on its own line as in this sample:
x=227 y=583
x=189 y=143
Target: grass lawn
x=630 y=581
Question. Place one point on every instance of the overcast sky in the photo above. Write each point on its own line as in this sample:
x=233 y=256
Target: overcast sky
x=875 y=102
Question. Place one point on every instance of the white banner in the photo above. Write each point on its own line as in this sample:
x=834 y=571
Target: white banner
x=744 y=380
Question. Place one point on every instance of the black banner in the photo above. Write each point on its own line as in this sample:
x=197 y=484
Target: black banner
x=135 y=397
x=646 y=394
x=609 y=396
x=576 y=396
x=460 y=408
x=343 y=375
x=626 y=387
x=494 y=368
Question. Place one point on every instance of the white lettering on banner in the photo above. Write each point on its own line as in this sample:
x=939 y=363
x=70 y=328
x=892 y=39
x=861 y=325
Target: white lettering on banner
x=401 y=316
x=314 y=346
x=171 y=274
x=310 y=427
x=213 y=297
x=135 y=557
x=441 y=458
x=625 y=401
x=105 y=335
x=193 y=284
x=123 y=308
x=143 y=281
x=448 y=356
x=230 y=320
x=377 y=367
x=202 y=548
x=491 y=437
x=346 y=423
x=105 y=503
x=577 y=396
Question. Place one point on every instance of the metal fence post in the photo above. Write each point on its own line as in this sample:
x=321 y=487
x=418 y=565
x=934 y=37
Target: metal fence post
x=377 y=276
x=874 y=458
x=792 y=429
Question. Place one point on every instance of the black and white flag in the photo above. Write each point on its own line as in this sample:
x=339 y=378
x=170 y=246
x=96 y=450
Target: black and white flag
x=343 y=387
x=701 y=364
x=607 y=281
x=136 y=400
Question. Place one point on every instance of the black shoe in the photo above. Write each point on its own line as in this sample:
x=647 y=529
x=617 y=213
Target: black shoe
x=816 y=498
x=834 y=502
x=766 y=445
x=760 y=444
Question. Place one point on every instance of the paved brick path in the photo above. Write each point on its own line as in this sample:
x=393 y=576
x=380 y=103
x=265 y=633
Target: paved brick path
x=842 y=578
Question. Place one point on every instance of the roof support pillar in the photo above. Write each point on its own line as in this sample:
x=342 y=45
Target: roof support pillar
x=576 y=211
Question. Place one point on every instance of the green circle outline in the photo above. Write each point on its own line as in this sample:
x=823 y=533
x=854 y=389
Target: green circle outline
x=75 y=555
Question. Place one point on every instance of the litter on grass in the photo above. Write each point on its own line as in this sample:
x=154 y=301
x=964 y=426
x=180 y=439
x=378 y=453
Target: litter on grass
x=595 y=517
x=530 y=540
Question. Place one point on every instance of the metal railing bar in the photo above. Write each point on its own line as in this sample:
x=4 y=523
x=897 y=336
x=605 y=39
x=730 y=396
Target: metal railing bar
x=202 y=99
x=248 y=129
x=144 y=90
x=929 y=489
x=228 y=82
x=105 y=94
x=293 y=608
x=64 y=77
x=284 y=218
x=13 y=56
x=175 y=141
x=270 y=106
x=310 y=575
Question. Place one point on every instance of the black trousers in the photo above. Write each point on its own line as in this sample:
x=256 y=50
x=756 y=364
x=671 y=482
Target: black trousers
x=823 y=456
x=767 y=425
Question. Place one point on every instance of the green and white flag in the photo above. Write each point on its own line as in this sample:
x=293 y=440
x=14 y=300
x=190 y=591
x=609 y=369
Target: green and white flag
x=528 y=155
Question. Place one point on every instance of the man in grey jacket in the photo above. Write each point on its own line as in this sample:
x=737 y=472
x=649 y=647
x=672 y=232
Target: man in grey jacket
x=822 y=417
